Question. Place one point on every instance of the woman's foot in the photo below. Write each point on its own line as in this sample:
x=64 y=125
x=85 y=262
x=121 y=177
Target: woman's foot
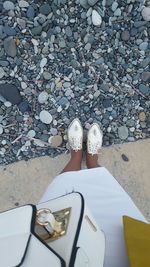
x=94 y=144
x=75 y=140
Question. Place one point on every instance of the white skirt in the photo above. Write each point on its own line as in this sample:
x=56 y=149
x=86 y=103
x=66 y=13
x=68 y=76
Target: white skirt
x=107 y=201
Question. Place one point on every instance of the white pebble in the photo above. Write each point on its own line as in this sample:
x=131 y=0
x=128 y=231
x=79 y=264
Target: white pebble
x=132 y=129
x=1 y=129
x=7 y=104
x=114 y=6
x=23 y=85
x=54 y=122
x=45 y=117
x=146 y=13
x=42 y=98
x=34 y=42
x=4 y=142
x=96 y=18
x=23 y=3
x=43 y=62
x=31 y=133
x=59 y=109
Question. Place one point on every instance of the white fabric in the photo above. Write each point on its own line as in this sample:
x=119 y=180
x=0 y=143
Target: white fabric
x=107 y=201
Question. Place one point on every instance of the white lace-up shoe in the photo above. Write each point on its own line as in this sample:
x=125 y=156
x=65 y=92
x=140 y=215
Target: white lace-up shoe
x=75 y=135
x=94 y=139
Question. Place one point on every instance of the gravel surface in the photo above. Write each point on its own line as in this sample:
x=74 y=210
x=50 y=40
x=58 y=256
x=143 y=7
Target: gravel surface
x=63 y=59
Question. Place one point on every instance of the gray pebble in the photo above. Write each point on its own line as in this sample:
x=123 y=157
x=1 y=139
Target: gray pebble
x=146 y=76
x=9 y=31
x=45 y=9
x=68 y=31
x=36 y=30
x=123 y=132
x=84 y=4
x=30 y=12
x=125 y=35
x=92 y=2
x=143 y=46
x=117 y=12
x=46 y=75
x=8 y=5
x=10 y=47
x=144 y=89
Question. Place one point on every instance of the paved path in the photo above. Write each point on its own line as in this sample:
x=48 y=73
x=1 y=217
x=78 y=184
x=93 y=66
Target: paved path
x=24 y=182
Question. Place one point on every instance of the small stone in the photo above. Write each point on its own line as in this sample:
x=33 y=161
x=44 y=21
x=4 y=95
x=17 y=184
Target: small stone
x=96 y=94
x=84 y=4
x=31 y=133
x=23 y=4
x=124 y=157
x=11 y=93
x=4 y=142
x=144 y=89
x=142 y=116
x=1 y=129
x=4 y=63
x=43 y=62
x=145 y=62
x=143 y=46
x=45 y=9
x=68 y=31
x=87 y=46
x=45 y=117
x=21 y=23
x=9 y=30
x=36 y=30
x=62 y=43
x=30 y=12
x=146 y=76
x=55 y=141
x=132 y=129
x=125 y=36
x=138 y=24
x=107 y=103
x=10 y=47
x=123 y=132
x=24 y=107
x=23 y=85
x=92 y=2
x=63 y=101
x=59 y=109
x=96 y=18
x=146 y=13
x=47 y=76
x=7 y=104
x=117 y=12
x=114 y=6
x=42 y=98
x=8 y=5
x=2 y=73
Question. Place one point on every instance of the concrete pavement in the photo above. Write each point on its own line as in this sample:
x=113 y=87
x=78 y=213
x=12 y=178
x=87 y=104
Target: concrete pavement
x=24 y=182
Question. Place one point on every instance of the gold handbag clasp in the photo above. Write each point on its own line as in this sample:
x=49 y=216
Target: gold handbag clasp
x=52 y=225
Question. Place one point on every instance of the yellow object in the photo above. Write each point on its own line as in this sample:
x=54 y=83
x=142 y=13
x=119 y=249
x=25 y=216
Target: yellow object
x=137 y=239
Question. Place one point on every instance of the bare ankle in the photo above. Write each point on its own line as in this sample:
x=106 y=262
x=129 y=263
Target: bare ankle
x=91 y=161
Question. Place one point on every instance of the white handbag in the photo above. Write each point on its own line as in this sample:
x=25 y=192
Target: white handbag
x=58 y=233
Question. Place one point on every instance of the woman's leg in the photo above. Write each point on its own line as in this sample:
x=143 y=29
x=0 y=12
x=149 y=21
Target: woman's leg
x=92 y=161
x=75 y=162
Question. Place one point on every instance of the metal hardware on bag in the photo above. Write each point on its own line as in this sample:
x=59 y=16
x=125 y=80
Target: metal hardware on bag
x=91 y=223
x=59 y=229
x=38 y=213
